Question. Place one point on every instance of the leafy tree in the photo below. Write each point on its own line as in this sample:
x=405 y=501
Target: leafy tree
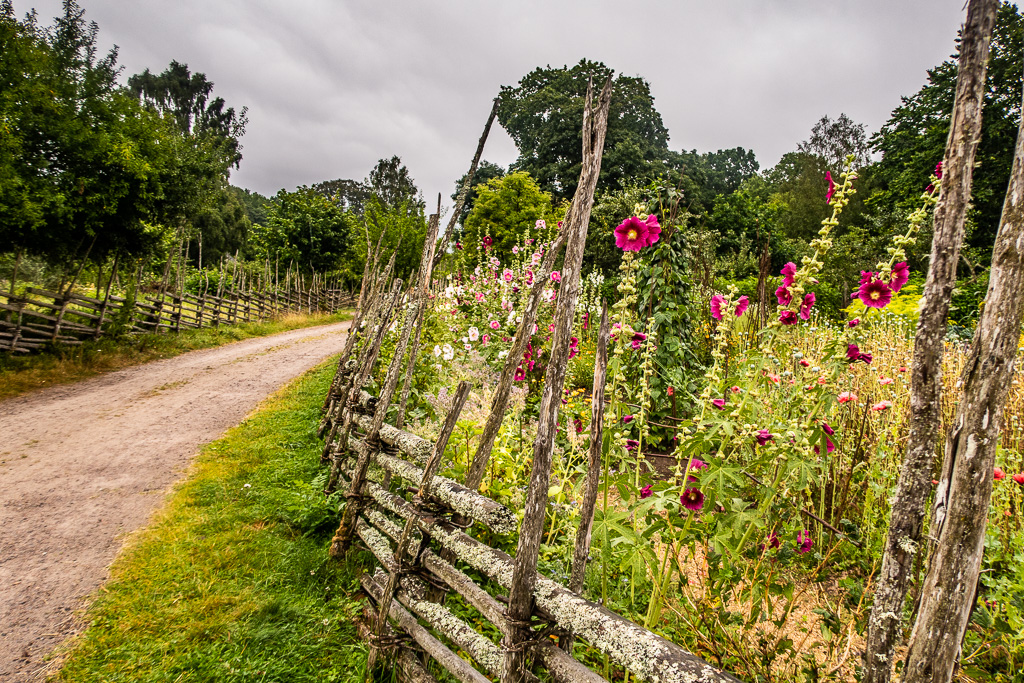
x=485 y=171
x=404 y=227
x=544 y=113
x=391 y=183
x=223 y=227
x=913 y=140
x=305 y=229
x=256 y=205
x=350 y=195
x=704 y=176
x=506 y=209
x=834 y=140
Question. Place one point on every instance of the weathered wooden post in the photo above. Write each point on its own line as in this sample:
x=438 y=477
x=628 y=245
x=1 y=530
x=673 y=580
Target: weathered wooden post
x=964 y=491
x=524 y=577
x=913 y=487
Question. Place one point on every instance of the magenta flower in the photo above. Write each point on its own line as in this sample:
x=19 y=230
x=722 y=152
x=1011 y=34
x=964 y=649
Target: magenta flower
x=638 y=337
x=631 y=234
x=772 y=542
x=716 y=306
x=827 y=428
x=495 y=325
x=507 y=274
x=458 y=245
x=804 y=542
x=900 y=275
x=783 y=295
x=831 y=187
x=692 y=499
x=646 y=492
x=741 y=305
x=697 y=464
x=631 y=444
x=854 y=354
x=875 y=294
x=556 y=276
x=788 y=318
x=805 y=307
x=829 y=446
x=853 y=323
x=487 y=241
x=788 y=274
x=719 y=403
x=626 y=419
x=653 y=229
x=764 y=436
x=520 y=374
x=938 y=170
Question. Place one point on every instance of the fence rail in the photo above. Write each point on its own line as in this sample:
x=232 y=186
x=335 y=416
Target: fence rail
x=39 y=317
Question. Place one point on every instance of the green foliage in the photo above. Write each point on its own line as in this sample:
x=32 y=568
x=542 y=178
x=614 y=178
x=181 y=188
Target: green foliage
x=543 y=114
x=506 y=208
x=304 y=228
x=485 y=171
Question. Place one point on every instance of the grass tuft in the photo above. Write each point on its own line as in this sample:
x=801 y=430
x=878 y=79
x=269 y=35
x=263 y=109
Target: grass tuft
x=231 y=581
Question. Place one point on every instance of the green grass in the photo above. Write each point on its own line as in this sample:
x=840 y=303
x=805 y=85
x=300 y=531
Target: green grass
x=231 y=581
x=65 y=364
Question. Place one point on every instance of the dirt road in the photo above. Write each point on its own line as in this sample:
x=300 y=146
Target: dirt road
x=83 y=465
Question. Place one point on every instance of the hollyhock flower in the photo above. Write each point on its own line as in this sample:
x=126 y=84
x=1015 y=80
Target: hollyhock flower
x=788 y=274
x=631 y=444
x=484 y=339
x=847 y=396
x=772 y=542
x=829 y=446
x=853 y=323
x=495 y=325
x=535 y=328
x=900 y=275
x=653 y=229
x=515 y=250
x=763 y=436
x=540 y=224
x=805 y=363
x=805 y=307
x=631 y=234
x=716 y=306
x=507 y=274
x=556 y=276
x=468 y=346
x=487 y=242
x=998 y=473
x=578 y=424
x=692 y=499
x=881 y=405
x=938 y=170
x=885 y=380
x=551 y=327
x=696 y=465
x=804 y=542
x=831 y=187
x=788 y=318
x=783 y=295
x=474 y=334
x=646 y=492
x=458 y=245
x=735 y=390
x=626 y=419
x=741 y=305
x=437 y=351
x=930 y=188
x=447 y=352
x=480 y=297
x=853 y=354
x=875 y=294
x=1019 y=478
x=520 y=374
x=638 y=337
x=719 y=403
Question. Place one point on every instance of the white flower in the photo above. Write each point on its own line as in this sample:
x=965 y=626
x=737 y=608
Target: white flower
x=474 y=334
x=437 y=351
x=464 y=340
x=502 y=354
x=468 y=347
x=449 y=352
x=511 y=317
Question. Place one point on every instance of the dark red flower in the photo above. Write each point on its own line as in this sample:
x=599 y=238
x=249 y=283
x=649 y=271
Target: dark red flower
x=804 y=542
x=763 y=437
x=788 y=318
x=805 y=307
x=900 y=275
x=875 y=294
x=938 y=170
x=719 y=403
x=646 y=492
x=692 y=499
x=487 y=241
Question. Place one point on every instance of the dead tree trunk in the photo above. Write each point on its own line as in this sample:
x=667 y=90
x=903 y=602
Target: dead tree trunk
x=524 y=576
x=965 y=487
x=913 y=488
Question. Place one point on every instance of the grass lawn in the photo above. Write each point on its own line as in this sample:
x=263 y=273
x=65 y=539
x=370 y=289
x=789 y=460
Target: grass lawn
x=65 y=364
x=231 y=580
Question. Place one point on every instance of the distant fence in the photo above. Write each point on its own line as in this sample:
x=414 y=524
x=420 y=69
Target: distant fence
x=39 y=317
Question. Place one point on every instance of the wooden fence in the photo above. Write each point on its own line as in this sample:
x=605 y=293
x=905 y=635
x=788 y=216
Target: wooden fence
x=40 y=317
x=424 y=529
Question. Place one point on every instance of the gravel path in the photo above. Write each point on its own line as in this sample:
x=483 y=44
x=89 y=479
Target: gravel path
x=83 y=465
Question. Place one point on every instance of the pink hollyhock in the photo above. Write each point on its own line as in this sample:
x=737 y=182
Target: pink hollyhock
x=556 y=276
x=692 y=499
x=646 y=492
x=487 y=241
x=626 y=419
x=515 y=250
x=495 y=325
x=930 y=188
x=484 y=339
x=697 y=464
x=631 y=234
x=788 y=318
x=847 y=396
x=716 y=306
x=881 y=405
x=805 y=307
x=763 y=436
x=653 y=229
x=866 y=276
x=631 y=444
x=529 y=277
x=827 y=428
x=578 y=424
x=1019 y=478
x=788 y=274
x=829 y=446
x=831 y=187
x=900 y=275
x=541 y=224
x=853 y=354
x=719 y=403
x=875 y=294
x=804 y=542
x=507 y=275
x=784 y=296
x=520 y=374
x=741 y=305
x=638 y=337
x=853 y=323
x=480 y=296
x=998 y=473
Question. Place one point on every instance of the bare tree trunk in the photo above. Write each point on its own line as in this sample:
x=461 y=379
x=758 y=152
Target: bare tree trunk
x=913 y=487
x=965 y=487
x=524 y=575
x=466 y=183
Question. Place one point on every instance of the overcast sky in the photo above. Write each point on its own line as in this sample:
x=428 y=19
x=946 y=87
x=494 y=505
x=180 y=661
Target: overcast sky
x=332 y=86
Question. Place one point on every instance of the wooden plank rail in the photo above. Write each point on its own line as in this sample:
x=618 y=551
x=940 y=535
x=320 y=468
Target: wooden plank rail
x=40 y=317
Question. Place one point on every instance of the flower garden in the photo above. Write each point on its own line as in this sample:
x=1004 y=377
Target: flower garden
x=744 y=496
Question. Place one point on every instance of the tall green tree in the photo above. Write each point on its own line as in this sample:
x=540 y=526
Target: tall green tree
x=913 y=140
x=304 y=230
x=543 y=114
x=485 y=171
x=507 y=210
